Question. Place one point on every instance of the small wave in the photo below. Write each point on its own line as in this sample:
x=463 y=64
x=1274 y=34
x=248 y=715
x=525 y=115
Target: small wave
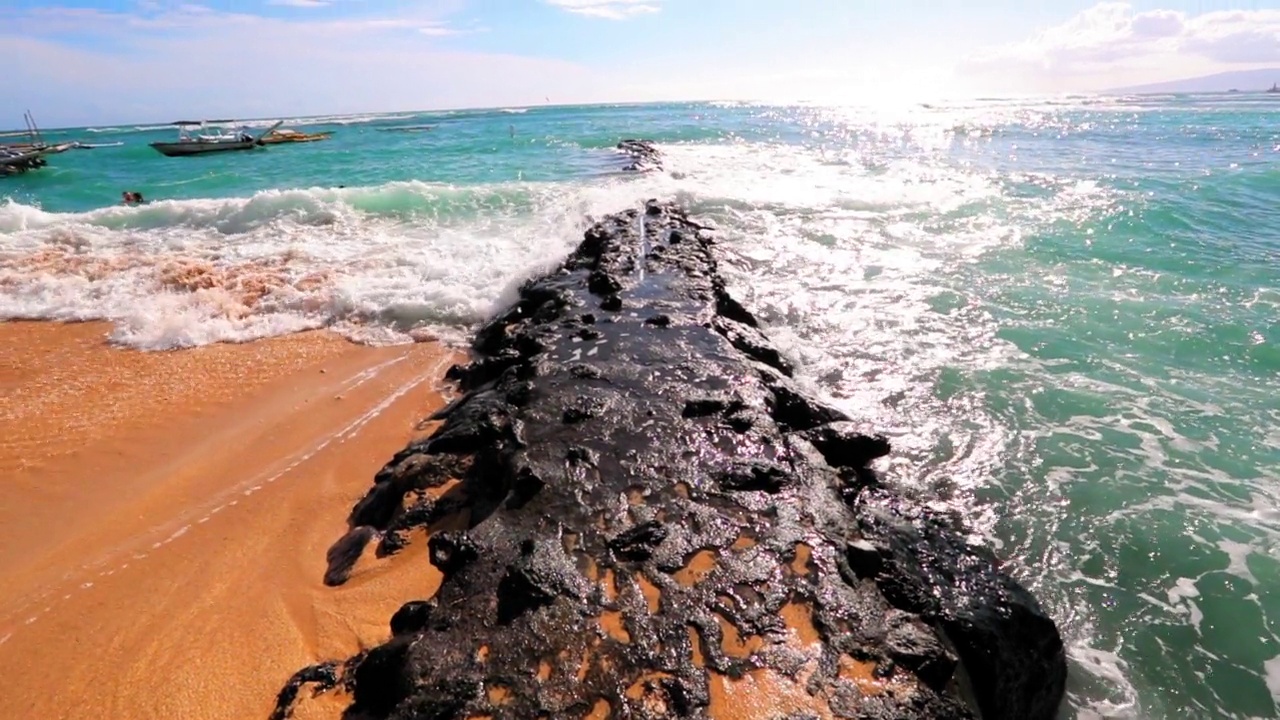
x=330 y=119
x=515 y=111
x=387 y=260
x=353 y=119
x=408 y=128
x=310 y=207
x=377 y=264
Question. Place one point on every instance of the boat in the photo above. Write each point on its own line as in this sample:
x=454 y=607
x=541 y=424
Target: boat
x=13 y=162
x=287 y=135
x=1275 y=88
x=191 y=142
x=17 y=158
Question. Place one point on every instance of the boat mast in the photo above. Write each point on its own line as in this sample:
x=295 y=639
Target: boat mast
x=32 y=129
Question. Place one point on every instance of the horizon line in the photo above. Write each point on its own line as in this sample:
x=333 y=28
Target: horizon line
x=1116 y=92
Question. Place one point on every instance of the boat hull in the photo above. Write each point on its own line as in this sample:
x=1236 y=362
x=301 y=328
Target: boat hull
x=178 y=149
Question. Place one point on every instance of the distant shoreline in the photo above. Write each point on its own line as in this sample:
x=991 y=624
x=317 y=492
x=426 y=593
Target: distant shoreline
x=1244 y=82
x=1241 y=88
x=300 y=119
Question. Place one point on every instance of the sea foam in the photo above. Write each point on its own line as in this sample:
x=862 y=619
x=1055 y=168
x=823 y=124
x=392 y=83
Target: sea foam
x=379 y=264
x=391 y=262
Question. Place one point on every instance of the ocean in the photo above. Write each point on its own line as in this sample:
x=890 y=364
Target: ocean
x=1063 y=312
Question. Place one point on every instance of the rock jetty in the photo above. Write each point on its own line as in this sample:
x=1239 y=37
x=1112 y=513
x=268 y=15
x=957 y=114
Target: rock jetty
x=647 y=518
x=643 y=153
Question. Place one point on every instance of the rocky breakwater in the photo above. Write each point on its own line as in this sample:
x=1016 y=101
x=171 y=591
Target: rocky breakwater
x=638 y=514
x=644 y=155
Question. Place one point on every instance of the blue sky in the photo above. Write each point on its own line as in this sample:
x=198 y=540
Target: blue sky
x=106 y=61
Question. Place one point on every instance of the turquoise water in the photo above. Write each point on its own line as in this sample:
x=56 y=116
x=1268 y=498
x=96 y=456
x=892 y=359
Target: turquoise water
x=1063 y=312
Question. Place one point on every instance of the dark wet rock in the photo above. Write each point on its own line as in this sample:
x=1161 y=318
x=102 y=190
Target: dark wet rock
x=638 y=542
x=844 y=445
x=740 y=423
x=519 y=394
x=343 y=554
x=542 y=574
x=377 y=507
x=765 y=477
x=527 y=485
x=451 y=551
x=412 y=617
x=602 y=283
x=378 y=685
x=485 y=420
x=444 y=699
x=794 y=411
x=751 y=343
x=631 y=496
x=727 y=306
x=582 y=408
x=584 y=372
x=864 y=559
x=644 y=155
x=704 y=407
x=384 y=508
x=1010 y=649
x=915 y=646
x=322 y=677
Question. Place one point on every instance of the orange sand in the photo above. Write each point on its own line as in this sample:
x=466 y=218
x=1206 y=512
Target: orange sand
x=164 y=517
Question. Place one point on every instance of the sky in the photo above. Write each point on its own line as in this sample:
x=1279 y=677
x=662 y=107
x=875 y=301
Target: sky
x=93 y=62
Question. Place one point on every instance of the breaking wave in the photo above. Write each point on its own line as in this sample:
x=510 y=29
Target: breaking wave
x=389 y=262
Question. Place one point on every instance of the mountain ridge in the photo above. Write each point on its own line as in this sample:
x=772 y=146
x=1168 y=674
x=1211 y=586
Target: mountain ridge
x=1257 y=80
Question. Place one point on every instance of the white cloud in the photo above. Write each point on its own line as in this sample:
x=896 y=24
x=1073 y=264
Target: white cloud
x=609 y=9
x=300 y=3
x=1110 y=44
x=441 y=29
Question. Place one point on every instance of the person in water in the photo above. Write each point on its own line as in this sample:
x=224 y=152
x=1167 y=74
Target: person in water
x=132 y=198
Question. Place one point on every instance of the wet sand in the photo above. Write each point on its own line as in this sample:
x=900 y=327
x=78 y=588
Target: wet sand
x=164 y=517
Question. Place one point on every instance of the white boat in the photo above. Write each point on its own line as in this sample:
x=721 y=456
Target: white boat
x=192 y=142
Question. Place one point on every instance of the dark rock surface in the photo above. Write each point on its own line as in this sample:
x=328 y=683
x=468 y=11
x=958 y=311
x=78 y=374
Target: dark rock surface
x=644 y=155
x=649 y=508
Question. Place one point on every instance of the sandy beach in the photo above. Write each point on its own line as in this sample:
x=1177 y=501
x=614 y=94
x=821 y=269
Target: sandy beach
x=164 y=516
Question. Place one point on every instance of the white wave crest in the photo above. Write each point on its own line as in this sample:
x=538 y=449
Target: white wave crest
x=388 y=260
x=378 y=264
